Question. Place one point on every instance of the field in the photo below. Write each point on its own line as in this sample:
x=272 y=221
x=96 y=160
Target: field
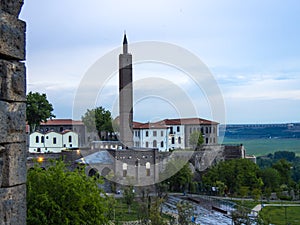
x=281 y=215
x=263 y=146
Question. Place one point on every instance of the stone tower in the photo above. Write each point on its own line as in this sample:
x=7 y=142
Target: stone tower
x=12 y=115
x=125 y=96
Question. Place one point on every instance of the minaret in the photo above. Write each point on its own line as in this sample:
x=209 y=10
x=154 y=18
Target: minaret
x=125 y=96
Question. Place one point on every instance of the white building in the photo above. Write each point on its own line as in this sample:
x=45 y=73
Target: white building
x=52 y=141
x=173 y=133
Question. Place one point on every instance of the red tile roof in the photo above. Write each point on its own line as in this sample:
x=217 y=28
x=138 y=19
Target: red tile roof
x=61 y=122
x=163 y=124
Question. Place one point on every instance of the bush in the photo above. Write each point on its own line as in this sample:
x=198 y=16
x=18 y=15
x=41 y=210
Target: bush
x=59 y=196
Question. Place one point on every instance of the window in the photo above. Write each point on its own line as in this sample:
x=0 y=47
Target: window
x=42 y=139
x=214 y=130
x=61 y=129
x=171 y=130
x=173 y=140
x=202 y=130
x=37 y=139
x=147 y=144
x=54 y=140
x=154 y=144
x=147 y=169
x=162 y=133
x=124 y=169
x=179 y=140
x=210 y=130
x=206 y=140
x=178 y=128
x=70 y=138
x=206 y=130
x=162 y=144
x=154 y=133
x=147 y=133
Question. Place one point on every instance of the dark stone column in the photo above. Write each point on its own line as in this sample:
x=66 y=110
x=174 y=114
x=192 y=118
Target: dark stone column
x=12 y=115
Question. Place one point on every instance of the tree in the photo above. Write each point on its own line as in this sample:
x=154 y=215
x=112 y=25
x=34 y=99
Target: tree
x=196 y=139
x=59 y=196
x=185 y=212
x=284 y=169
x=180 y=180
x=235 y=174
x=271 y=178
x=129 y=196
x=38 y=109
x=98 y=120
x=155 y=212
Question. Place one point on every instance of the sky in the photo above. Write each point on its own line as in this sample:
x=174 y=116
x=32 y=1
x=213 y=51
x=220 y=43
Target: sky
x=251 y=49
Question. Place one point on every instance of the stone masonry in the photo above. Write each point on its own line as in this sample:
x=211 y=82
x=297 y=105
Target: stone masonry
x=12 y=114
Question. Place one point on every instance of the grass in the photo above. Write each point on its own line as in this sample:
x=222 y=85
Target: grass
x=264 y=146
x=281 y=215
x=250 y=204
x=122 y=214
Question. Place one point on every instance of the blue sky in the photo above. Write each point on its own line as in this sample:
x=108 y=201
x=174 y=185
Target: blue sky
x=251 y=48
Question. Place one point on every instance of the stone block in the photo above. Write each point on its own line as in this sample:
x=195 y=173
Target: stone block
x=12 y=37
x=12 y=125
x=13 y=205
x=11 y=6
x=13 y=168
x=12 y=81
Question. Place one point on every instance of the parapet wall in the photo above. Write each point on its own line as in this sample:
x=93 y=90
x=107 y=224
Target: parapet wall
x=12 y=114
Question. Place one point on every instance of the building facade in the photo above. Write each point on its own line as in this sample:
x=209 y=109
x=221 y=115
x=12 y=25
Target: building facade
x=61 y=125
x=52 y=142
x=172 y=134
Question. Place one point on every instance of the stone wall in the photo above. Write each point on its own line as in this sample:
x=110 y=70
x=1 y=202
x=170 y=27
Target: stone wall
x=12 y=115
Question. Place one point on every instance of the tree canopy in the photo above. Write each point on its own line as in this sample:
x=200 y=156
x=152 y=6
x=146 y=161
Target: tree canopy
x=235 y=174
x=38 y=109
x=98 y=120
x=180 y=180
x=58 y=196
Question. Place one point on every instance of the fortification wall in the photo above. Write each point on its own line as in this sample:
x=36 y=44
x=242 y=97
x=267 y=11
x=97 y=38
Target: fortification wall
x=12 y=114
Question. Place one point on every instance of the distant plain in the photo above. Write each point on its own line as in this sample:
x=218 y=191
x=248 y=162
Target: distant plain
x=264 y=146
x=264 y=139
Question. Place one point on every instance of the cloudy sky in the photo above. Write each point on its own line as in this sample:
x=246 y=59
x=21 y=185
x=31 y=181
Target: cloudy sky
x=251 y=49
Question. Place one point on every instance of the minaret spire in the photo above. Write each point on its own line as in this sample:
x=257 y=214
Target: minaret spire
x=125 y=44
x=125 y=96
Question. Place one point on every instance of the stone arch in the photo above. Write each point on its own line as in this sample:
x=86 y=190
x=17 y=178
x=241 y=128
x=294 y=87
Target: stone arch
x=148 y=167
x=124 y=167
x=93 y=173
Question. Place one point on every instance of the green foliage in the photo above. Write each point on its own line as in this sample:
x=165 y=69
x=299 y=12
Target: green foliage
x=289 y=156
x=38 y=109
x=240 y=216
x=155 y=213
x=98 y=120
x=221 y=187
x=185 y=212
x=271 y=178
x=280 y=215
x=284 y=169
x=196 y=139
x=58 y=196
x=180 y=180
x=234 y=174
x=128 y=194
